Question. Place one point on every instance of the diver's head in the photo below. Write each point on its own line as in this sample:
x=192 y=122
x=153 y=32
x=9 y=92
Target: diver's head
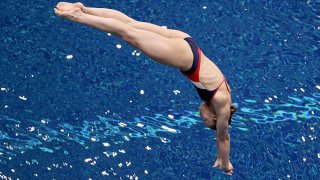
x=209 y=115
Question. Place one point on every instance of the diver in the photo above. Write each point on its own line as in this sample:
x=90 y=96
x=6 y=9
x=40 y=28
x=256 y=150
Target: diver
x=173 y=48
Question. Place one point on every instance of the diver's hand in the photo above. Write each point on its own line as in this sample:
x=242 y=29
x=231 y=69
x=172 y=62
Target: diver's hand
x=226 y=168
x=217 y=163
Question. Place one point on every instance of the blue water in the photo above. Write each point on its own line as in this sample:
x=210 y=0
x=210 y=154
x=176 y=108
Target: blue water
x=112 y=113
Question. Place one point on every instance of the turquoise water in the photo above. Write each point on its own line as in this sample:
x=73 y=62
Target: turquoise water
x=111 y=113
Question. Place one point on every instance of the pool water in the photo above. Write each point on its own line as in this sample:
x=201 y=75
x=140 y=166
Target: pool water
x=77 y=103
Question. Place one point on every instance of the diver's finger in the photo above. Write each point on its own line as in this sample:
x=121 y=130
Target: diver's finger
x=230 y=172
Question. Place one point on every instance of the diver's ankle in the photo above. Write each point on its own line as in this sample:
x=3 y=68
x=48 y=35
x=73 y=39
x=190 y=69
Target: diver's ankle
x=83 y=9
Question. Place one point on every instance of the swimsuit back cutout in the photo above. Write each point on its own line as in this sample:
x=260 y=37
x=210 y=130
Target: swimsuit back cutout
x=193 y=74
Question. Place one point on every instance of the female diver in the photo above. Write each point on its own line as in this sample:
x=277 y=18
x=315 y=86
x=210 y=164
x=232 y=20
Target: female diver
x=174 y=48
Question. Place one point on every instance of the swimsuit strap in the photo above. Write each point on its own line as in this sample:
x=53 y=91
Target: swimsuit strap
x=216 y=90
x=227 y=85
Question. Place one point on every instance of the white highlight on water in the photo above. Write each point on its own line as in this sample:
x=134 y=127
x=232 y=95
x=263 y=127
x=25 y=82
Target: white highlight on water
x=128 y=163
x=170 y=116
x=169 y=129
x=148 y=148
x=120 y=165
x=44 y=121
x=122 y=151
x=122 y=124
x=204 y=7
x=164 y=140
x=87 y=160
x=118 y=46
x=318 y=87
x=46 y=137
x=92 y=162
x=126 y=137
x=106 y=153
x=23 y=98
x=114 y=154
x=303 y=139
x=106 y=144
x=142 y=91
x=104 y=173
x=140 y=125
x=176 y=92
x=70 y=56
x=302 y=90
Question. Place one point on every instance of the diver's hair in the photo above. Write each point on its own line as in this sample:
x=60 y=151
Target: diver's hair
x=233 y=109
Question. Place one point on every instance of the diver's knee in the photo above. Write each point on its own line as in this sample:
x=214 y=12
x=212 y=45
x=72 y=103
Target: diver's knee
x=131 y=35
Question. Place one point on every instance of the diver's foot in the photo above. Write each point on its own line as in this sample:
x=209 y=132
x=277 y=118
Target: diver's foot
x=65 y=6
x=72 y=14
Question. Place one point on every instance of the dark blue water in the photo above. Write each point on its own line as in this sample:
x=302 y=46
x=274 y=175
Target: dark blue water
x=112 y=113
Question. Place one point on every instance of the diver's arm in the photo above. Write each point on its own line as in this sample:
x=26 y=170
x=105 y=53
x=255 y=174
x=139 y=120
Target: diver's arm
x=222 y=136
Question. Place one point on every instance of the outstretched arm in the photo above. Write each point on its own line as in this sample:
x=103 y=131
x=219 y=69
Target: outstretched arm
x=222 y=137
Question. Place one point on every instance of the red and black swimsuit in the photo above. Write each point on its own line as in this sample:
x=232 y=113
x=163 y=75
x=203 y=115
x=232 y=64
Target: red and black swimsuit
x=193 y=74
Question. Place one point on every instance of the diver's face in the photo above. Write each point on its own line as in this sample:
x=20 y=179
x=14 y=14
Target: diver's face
x=210 y=123
x=208 y=115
